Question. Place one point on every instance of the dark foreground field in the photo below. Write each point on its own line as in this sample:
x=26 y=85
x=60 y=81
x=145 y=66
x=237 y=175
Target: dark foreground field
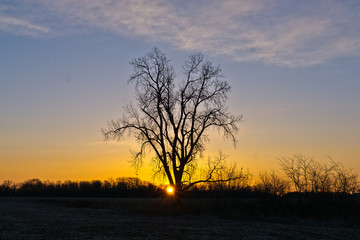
x=80 y=218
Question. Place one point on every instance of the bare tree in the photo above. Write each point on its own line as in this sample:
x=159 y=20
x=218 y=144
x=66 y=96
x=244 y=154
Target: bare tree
x=322 y=176
x=309 y=175
x=272 y=183
x=7 y=186
x=297 y=169
x=345 y=180
x=174 y=121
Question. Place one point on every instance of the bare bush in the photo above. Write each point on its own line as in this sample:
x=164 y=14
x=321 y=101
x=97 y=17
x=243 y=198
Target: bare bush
x=272 y=183
x=322 y=176
x=309 y=175
x=7 y=187
x=298 y=169
x=346 y=181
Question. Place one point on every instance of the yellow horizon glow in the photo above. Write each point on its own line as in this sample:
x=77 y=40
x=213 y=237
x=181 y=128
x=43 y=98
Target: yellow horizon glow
x=101 y=161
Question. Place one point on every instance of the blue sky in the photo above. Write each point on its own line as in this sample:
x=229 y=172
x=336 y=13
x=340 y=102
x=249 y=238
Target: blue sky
x=293 y=67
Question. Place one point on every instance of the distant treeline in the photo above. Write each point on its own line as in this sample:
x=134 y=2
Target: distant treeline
x=269 y=184
x=303 y=187
x=304 y=174
x=299 y=174
x=119 y=187
x=225 y=199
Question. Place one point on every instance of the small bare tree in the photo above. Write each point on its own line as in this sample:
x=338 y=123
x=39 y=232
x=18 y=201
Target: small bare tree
x=174 y=121
x=309 y=175
x=298 y=169
x=345 y=180
x=322 y=176
x=272 y=183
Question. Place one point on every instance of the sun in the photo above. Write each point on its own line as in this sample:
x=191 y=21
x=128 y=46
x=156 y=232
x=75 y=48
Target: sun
x=170 y=190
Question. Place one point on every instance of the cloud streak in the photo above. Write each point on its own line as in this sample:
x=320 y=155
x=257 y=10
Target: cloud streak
x=275 y=32
x=22 y=27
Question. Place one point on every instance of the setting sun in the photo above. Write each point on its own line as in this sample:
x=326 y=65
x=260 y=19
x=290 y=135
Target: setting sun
x=170 y=190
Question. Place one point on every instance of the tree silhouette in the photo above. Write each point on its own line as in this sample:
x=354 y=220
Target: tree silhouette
x=310 y=175
x=272 y=183
x=174 y=121
x=298 y=169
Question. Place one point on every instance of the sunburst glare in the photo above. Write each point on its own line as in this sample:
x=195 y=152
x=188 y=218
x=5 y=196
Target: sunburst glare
x=170 y=190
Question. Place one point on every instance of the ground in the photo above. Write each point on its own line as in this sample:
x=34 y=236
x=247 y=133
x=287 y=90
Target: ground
x=39 y=218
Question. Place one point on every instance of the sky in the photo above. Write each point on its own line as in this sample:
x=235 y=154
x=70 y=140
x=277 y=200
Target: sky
x=64 y=65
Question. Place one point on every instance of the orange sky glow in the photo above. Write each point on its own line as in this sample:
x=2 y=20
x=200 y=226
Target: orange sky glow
x=293 y=69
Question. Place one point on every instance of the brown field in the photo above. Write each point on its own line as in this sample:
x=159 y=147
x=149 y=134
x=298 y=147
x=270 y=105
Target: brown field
x=89 y=218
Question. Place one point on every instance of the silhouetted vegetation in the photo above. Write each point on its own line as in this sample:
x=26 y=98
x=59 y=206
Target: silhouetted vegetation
x=305 y=189
x=310 y=175
x=224 y=199
x=119 y=187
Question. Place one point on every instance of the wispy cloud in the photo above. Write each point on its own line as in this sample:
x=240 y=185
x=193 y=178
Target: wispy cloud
x=288 y=33
x=22 y=27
